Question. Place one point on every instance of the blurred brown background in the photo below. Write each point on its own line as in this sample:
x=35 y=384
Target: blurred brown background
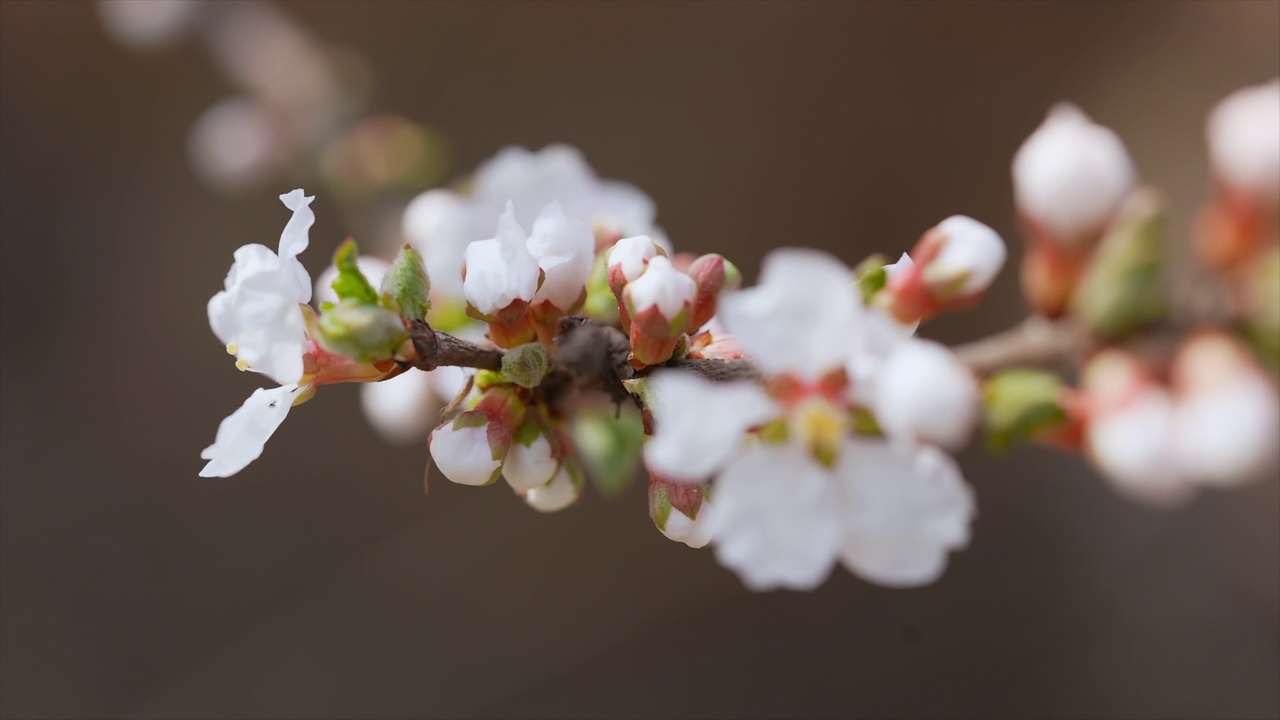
x=321 y=582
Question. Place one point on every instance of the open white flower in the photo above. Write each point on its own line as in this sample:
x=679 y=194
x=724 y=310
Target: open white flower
x=501 y=271
x=1071 y=175
x=256 y=314
x=802 y=317
x=244 y=433
x=1244 y=141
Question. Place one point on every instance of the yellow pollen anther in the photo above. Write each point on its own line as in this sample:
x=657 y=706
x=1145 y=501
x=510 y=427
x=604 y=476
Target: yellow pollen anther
x=233 y=348
x=242 y=364
x=820 y=427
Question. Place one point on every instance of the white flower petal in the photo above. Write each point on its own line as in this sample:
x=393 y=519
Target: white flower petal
x=526 y=468
x=778 y=519
x=663 y=287
x=631 y=254
x=924 y=393
x=906 y=510
x=440 y=224
x=1072 y=174
x=500 y=270
x=802 y=316
x=295 y=239
x=463 y=455
x=1244 y=141
x=699 y=424
x=272 y=333
x=565 y=250
x=556 y=495
x=695 y=532
x=404 y=409
x=243 y=434
x=971 y=248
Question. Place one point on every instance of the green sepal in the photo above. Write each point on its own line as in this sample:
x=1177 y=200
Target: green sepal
x=865 y=423
x=1123 y=288
x=600 y=304
x=351 y=284
x=406 y=287
x=1019 y=405
x=871 y=276
x=364 y=332
x=1262 y=312
x=609 y=447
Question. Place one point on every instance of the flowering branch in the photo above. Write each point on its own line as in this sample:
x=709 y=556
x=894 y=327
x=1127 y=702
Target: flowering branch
x=1035 y=342
x=437 y=349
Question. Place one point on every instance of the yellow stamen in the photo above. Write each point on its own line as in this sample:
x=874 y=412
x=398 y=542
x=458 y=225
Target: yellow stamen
x=233 y=348
x=242 y=364
x=820 y=427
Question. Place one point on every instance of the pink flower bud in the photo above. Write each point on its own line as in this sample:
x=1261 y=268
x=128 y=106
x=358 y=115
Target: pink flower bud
x=659 y=303
x=680 y=511
x=950 y=267
x=712 y=274
x=1244 y=142
x=470 y=449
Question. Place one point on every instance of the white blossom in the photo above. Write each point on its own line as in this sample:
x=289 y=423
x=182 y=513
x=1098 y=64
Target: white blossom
x=699 y=425
x=404 y=409
x=969 y=252
x=924 y=393
x=800 y=319
x=1227 y=434
x=501 y=270
x=565 y=250
x=630 y=255
x=663 y=287
x=556 y=495
x=440 y=224
x=1072 y=174
x=531 y=466
x=256 y=314
x=463 y=453
x=148 y=24
x=1244 y=141
x=243 y=434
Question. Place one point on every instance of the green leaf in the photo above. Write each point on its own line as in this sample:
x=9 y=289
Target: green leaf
x=1018 y=405
x=1123 y=288
x=406 y=285
x=351 y=284
x=526 y=365
x=609 y=447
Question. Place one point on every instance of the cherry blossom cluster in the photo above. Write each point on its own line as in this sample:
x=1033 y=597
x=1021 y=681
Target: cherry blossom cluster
x=539 y=329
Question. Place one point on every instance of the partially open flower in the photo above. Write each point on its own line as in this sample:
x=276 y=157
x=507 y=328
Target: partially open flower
x=470 y=449
x=1070 y=177
x=951 y=266
x=531 y=462
x=560 y=493
x=565 y=250
x=501 y=274
x=659 y=303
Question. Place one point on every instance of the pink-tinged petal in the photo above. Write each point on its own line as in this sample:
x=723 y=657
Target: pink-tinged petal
x=243 y=434
x=906 y=510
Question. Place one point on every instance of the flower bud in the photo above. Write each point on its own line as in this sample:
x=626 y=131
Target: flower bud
x=371 y=267
x=924 y=393
x=712 y=274
x=950 y=267
x=526 y=365
x=628 y=258
x=470 y=449
x=1228 y=411
x=680 y=511
x=560 y=493
x=363 y=332
x=1129 y=430
x=403 y=409
x=1123 y=287
x=659 y=303
x=463 y=451
x=532 y=460
x=1244 y=142
x=1070 y=176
